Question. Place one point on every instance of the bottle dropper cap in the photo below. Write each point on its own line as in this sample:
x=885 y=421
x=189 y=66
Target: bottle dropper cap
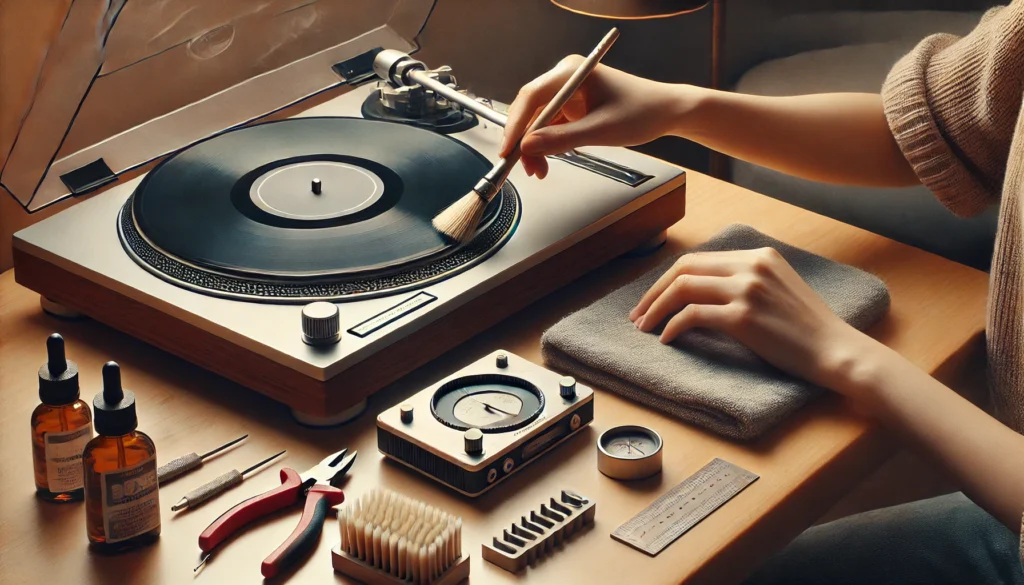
x=114 y=408
x=58 y=377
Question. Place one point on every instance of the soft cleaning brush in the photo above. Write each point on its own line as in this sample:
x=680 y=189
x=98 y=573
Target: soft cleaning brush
x=388 y=538
x=459 y=221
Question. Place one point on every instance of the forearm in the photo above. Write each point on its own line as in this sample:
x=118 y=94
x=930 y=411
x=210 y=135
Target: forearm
x=985 y=457
x=838 y=138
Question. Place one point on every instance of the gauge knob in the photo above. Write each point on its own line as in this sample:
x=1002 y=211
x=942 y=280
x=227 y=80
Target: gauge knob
x=321 y=323
x=405 y=412
x=567 y=387
x=474 y=442
x=501 y=360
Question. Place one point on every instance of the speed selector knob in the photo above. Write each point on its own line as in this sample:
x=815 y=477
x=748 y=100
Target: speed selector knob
x=474 y=442
x=567 y=387
x=321 y=323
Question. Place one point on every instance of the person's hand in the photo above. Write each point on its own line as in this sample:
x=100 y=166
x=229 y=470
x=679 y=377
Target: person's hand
x=611 y=108
x=755 y=297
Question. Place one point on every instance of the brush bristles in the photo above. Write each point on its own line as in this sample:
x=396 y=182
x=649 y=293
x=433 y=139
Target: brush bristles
x=460 y=220
x=401 y=536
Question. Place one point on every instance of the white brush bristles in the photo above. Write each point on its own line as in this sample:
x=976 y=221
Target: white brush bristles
x=401 y=536
x=460 y=220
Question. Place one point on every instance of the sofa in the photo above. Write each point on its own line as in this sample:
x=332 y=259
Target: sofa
x=795 y=47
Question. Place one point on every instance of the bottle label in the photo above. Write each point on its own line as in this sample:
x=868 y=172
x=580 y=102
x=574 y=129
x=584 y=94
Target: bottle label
x=131 y=503
x=64 y=472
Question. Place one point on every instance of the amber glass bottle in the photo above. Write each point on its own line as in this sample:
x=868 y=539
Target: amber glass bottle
x=61 y=427
x=122 y=505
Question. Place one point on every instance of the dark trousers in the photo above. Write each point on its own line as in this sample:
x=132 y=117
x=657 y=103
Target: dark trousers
x=939 y=541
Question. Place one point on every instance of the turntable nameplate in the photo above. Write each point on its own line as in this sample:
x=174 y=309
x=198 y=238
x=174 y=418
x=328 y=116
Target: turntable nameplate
x=385 y=318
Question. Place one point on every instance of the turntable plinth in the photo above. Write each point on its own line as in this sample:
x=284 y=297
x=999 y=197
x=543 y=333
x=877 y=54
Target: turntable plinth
x=323 y=399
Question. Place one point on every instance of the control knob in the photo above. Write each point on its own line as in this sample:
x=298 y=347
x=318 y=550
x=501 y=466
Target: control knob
x=405 y=413
x=321 y=323
x=567 y=387
x=474 y=442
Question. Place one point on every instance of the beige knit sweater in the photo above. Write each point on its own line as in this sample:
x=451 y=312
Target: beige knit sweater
x=954 y=106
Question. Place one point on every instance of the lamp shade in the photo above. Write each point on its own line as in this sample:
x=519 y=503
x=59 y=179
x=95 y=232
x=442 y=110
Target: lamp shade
x=631 y=9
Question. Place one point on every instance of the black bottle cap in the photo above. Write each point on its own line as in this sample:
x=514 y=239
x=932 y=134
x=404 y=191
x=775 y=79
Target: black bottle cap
x=113 y=410
x=58 y=377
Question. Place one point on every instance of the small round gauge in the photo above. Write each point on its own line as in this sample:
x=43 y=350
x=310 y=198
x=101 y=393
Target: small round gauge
x=493 y=403
x=629 y=452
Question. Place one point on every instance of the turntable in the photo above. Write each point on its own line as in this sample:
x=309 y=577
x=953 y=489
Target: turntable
x=296 y=257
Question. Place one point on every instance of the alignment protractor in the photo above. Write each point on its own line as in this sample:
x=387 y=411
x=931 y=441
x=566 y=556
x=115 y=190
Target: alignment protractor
x=493 y=403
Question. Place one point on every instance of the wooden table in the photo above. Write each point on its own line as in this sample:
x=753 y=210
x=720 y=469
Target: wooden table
x=805 y=466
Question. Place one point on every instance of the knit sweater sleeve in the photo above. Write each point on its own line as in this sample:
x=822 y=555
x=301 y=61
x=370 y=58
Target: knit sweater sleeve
x=952 y=104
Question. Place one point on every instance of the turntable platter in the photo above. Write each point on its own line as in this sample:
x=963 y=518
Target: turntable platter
x=310 y=208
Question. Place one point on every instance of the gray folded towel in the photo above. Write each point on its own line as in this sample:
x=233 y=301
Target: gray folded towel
x=705 y=378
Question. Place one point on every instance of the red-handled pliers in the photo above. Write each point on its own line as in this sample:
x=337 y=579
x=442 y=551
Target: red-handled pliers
x=318 y=487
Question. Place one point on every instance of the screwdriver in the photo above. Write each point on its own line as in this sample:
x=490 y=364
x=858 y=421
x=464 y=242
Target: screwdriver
x=186 y=463
x=218 y=485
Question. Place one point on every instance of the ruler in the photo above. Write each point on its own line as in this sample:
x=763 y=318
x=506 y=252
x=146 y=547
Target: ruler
x=684 y=506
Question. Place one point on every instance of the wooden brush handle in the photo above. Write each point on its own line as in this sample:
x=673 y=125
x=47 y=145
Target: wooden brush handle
x=500 y=172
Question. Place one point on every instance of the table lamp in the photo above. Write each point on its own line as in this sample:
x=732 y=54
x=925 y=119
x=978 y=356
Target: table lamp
x=631 y=9
x=650 y=9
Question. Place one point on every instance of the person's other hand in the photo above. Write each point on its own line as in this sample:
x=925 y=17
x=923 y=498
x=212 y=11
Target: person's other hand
x=611 y=108
x=755 y=297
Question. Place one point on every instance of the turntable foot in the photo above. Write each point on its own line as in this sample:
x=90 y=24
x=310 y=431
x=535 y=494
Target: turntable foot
x=650 y=246
x=341 y=418
x=58 y=310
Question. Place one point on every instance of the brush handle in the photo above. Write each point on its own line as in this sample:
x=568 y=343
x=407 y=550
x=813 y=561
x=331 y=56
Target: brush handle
x=495 y=178
x=178 y=467
x=208 y=490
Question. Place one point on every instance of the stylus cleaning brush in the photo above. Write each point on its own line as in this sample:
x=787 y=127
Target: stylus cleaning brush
x=459 y=221
x=389 y=538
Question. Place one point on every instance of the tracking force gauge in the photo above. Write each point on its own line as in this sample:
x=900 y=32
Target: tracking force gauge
x=476 y=427
x=629 y=452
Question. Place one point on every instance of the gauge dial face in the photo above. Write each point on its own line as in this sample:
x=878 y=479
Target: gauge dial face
x=492 y=403
x=631 y=443
x=486 y=408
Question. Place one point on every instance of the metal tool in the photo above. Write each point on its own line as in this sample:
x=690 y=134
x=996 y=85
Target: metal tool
x=682 y=507
x=318 y=487
x=218 y=485
x=537 y=534
x=182 y=465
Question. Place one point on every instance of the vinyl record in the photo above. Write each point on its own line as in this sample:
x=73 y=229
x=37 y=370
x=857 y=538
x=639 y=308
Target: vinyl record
x=308 y=198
